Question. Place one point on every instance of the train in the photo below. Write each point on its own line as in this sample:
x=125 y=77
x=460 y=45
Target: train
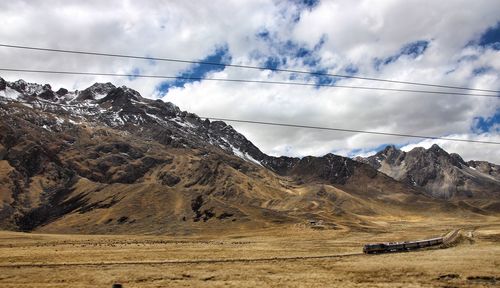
x=386 y=247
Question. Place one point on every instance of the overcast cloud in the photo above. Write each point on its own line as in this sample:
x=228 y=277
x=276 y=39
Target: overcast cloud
x=444 y=42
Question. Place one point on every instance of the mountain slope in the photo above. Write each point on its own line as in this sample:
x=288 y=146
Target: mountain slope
x=441 y=174
x=106 y=160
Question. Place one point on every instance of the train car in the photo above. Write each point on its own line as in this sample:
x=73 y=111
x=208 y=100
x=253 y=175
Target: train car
x=386 y=247
x=374 y=248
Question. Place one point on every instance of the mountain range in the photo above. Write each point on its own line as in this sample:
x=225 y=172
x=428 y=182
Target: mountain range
x=107 y=160
x=441 y=174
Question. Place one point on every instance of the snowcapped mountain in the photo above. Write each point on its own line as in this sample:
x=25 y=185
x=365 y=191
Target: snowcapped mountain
x=107 y=160
x=124 y=108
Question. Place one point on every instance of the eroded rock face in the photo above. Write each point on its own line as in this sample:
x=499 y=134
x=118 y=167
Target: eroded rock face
x=332 y=168
x=115 y=163
x=3 y=152
x=95 y=92
x=121 y=96
x=169 y=179
x=119 y=148
x=47 y=93
x=3 y=84
x=28 y=157
x=62 y=92
x=443 y=175
x=486 y=168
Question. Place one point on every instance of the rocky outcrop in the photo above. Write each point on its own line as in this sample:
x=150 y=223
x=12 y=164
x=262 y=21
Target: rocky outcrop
x=441 y=174
x=3 y=84
x=120 y=97
x=485 y=167
x=95 y=92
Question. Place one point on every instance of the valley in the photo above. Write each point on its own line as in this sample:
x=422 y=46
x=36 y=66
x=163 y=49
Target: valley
x=102 y=186
x=293 y=256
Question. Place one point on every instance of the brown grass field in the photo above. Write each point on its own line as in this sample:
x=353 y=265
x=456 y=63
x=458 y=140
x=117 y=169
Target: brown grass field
x=287 y=256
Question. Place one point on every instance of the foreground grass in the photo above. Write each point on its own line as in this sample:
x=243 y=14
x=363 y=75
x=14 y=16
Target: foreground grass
x=104 y=260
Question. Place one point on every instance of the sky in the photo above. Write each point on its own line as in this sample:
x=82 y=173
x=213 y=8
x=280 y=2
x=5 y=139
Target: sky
x=440 y=42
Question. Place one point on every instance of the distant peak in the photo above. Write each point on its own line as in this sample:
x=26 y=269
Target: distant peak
x=121 y=96
x=3 y=84
x=390 y=148
x=219 y=124
x=418 y=149
x=437 y=149
x=20 y=82
x=457 y=160
x=101 y=88
x=31 y=89
x=98 y=85
x=96 y=91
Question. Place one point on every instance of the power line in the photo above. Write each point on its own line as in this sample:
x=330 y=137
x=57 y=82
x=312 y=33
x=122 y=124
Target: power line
x=347 y=130
x=245 y=81
x=243 y=66
x=274 y=123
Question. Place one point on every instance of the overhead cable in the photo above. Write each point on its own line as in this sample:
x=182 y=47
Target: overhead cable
x=347 y=130
x=242 y=66
x=245 y=81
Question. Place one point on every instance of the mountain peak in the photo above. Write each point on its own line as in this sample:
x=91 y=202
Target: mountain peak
x=436 y=147
x=440 y=173
x=3 y=84
x=389 y=149
x=457 y=160
x=164 y=153
x=121 y=96
x=29 y=89
x=101 y=88
x=96 y=91
x=438 y=151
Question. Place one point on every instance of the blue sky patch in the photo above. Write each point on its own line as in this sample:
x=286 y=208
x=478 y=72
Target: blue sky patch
x=323 y=80
x=415 y=48
x=485 y=124
x=221 y=55
x=134 y=72
x=468 y=58
x=263 y=34
x=280 y=51
x=351 y=69
x=301 y=6
x=272 y=62
x=491 y=37
x=378 y=148
x=411 y=50
x=482 y=70
x=308 y=4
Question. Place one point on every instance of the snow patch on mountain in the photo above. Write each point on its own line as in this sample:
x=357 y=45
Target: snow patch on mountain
x=243 y=155
x=10 y=93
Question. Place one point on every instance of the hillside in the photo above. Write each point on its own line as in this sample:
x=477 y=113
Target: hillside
x=106 y=160
x=442 y=175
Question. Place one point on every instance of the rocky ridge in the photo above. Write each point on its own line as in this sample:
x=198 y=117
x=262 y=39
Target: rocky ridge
x=442 y=174
x=125 y=108
x=107 y=160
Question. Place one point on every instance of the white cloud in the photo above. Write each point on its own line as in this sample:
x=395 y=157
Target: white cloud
x=353 y=33
x=468 y=151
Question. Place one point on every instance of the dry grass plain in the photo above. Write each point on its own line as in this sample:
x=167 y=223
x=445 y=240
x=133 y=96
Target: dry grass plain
x=278 y=257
